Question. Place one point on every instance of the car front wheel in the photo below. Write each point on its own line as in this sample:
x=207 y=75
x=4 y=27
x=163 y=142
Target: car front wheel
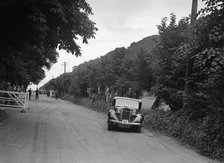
x=109 y=127
x=139 y=129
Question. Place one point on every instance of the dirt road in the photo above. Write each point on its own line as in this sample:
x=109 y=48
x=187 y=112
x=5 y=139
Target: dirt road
x=57 y=131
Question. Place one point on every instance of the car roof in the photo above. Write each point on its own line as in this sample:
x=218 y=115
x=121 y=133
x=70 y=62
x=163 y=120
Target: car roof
x=128 y=98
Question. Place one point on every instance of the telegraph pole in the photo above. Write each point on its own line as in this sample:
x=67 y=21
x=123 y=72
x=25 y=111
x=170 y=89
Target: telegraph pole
x=63 y=86
x=65 y=66
x=188 y=65
x=194 y=11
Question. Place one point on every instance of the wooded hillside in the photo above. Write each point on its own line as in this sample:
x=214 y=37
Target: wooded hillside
x=118 y=69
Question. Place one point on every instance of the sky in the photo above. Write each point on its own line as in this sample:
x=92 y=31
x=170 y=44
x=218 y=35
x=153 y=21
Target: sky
x=119 y=23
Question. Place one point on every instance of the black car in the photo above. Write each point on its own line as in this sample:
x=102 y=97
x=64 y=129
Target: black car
x=125 y=114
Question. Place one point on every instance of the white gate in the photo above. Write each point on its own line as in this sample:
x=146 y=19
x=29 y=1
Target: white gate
x=9 y=99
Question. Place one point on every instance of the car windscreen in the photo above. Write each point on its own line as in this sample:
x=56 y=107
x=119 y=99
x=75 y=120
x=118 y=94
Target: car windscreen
x=127 y=102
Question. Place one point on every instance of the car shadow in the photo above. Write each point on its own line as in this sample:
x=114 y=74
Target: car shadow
x=126 y=130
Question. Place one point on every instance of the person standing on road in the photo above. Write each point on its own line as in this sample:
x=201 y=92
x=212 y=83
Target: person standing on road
x=94 y=94
x=9 y=87
x=37 y=94
x=107 y=94
x=30 y=93
x=56 y=94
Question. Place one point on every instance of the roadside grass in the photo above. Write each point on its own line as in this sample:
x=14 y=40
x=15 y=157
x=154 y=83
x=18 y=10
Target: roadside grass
x=97 y=105
x=173 y=124
x=102 y=106
x=197 y=134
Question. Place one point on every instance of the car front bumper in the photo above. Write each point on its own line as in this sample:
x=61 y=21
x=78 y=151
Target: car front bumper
x=123 y=124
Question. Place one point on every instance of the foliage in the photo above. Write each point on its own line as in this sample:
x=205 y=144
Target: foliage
x=100 y=106
x=170 y=66
x=205 y=135
x=203 y=42
x=119 y=69
x=61 y=84
x=31 y=32
x=201 y=121
x=208 y=68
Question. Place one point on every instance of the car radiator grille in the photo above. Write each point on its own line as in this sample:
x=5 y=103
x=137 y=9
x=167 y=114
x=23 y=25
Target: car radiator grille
x=126 y=113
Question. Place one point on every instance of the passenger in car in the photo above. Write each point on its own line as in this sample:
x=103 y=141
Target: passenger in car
x=130 y=93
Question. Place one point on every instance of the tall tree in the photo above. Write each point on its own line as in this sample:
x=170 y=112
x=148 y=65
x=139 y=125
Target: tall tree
x=170 y=67
x=32 y=30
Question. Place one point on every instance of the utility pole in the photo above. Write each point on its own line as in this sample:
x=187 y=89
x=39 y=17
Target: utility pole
x=63 y=79
x=65 y=65
x=194 y=11
x=188 y=65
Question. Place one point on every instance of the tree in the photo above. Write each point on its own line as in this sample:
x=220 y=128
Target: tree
x=32 y=30
x=119 y=69
x=111 y=65
x=170 y=68
x=207 y=53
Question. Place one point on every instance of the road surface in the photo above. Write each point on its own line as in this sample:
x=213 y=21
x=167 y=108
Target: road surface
x=57 y=131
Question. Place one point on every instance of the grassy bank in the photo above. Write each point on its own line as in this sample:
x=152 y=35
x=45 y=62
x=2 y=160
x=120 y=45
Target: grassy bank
x=100 y=106
x=198 y=134
x=203 y=135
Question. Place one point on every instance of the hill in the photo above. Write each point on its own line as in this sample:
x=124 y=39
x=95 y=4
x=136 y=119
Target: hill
x=148 y=43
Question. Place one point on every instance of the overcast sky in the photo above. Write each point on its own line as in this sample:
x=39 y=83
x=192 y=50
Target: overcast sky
x=120 y=22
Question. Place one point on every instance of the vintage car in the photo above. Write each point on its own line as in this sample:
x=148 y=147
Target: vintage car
x=125 y=113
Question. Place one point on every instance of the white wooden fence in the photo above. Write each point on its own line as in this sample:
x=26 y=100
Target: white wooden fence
x=10 y=99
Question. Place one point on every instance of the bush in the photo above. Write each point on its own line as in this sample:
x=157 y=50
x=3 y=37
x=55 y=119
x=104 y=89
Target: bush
x=98 y=105
x=206 y=135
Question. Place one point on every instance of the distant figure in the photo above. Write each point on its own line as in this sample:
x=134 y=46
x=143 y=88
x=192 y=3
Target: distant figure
x=130 y=93
x=56 y=94
x=30 y=93
x=9 y=87
x=107 y=94
x=88 y=90
x=94 y=94
x=37 y=94
x=98 y=92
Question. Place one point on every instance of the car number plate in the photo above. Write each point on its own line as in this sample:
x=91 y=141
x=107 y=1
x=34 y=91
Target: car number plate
x=125 y=121
x=123 y=126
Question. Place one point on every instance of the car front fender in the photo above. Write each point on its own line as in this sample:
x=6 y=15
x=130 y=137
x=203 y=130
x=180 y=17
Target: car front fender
x=139 y=118
x=112 y=115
